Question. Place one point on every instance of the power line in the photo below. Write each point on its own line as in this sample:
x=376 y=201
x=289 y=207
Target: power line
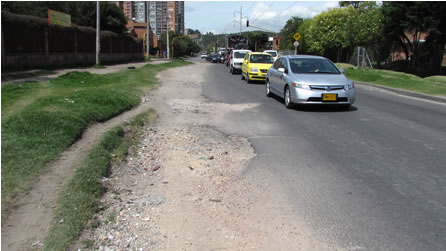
x=250 y=6
x=280 y=13
x=253 y=21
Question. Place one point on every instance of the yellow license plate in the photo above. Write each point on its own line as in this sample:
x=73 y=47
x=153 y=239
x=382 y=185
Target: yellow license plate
x=329 y=97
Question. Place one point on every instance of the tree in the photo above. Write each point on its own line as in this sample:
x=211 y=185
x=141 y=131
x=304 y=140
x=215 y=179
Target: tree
x=364 y=25
x=287 y=32
x=355 y=4
x=303 y=31
x=82 y=13
x=257 y=40
x=404 y=22
x=328 y=30
x=180 y=45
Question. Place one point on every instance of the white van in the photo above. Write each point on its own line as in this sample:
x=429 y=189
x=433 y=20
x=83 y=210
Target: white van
x=236 y=61
x=273 y=53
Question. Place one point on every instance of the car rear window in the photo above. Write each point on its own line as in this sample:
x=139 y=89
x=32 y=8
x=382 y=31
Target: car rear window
x=239 y=54
x=261 y=59
x=272 y=53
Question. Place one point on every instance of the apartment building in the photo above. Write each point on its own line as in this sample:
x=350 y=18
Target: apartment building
x=163 y=15
x=166 y=15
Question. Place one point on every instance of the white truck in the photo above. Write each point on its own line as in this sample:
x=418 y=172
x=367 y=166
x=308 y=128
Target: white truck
x=236 y=60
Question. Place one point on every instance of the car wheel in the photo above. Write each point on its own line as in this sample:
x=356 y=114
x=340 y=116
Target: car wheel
x=247 y=79
x=287 y=98
x=243 y=77
x=232 y=70
x=268 y=89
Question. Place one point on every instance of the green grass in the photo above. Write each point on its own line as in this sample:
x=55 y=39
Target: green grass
x=40 y=120
x=345 y=66
x=8 y=76
x=435 y=85
x=79 y=201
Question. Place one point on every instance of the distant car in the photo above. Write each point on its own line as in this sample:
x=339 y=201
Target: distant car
x=273 y=53
x=255 y=66
x=204 y=56
x=235 y=65
x=214 y=58
x=309 y=80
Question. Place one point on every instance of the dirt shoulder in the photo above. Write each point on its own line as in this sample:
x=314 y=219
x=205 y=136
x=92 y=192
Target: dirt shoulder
x=185 y=188
x=20 y=77
x=27 y=222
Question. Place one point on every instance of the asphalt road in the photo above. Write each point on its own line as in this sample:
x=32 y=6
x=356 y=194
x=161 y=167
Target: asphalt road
x=371 y=178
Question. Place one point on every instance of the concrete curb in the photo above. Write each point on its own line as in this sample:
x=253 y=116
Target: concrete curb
x=406 y=93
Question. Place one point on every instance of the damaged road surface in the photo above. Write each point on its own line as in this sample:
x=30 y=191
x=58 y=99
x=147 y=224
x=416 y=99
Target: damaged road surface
x=185 y=188
x=226 y=168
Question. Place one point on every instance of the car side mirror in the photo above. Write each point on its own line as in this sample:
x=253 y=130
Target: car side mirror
x=282 y=70
x=342 y=71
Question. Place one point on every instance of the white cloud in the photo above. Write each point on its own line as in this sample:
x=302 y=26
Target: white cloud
x=263 y=16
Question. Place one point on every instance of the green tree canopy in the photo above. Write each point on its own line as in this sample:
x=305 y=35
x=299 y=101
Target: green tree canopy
x=287 y=32
x=329 y=30
x=257 y=40
x=82 y=13
x=415 y=18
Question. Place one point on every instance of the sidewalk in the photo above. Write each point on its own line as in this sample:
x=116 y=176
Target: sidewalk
x=59 y=72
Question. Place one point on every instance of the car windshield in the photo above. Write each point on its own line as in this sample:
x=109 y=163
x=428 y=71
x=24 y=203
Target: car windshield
x=272 y=53
x=261 y=59
x=313 y=65
x=239 y=54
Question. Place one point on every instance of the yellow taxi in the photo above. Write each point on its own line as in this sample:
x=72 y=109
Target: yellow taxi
x=255 y=66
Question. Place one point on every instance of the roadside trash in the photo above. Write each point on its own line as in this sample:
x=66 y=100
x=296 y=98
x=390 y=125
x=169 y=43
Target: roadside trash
x=131 y=67
x=211 y=157
x=191 y=167
x=215 y=200
x=37 y=244
x=202 y=158
x=156 y=168
x=68 y=100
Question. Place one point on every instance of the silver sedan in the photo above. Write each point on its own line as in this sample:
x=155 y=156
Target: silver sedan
x=309 y=80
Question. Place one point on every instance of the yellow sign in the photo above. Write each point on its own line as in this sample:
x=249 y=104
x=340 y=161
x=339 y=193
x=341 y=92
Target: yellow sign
x=297 y=36
x=60 y=18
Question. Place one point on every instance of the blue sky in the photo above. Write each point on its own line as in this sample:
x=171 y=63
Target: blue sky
x=218 y=16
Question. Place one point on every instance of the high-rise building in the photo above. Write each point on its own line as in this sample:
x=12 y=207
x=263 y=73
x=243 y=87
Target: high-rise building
x=167 y=15
x=163 y=15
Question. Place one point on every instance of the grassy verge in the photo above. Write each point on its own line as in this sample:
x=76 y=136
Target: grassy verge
x=40 y=120
x=27 y=74
x=435 y=85
x=80 y=198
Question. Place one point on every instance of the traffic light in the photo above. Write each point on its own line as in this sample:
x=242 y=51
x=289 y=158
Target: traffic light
x=247 y=23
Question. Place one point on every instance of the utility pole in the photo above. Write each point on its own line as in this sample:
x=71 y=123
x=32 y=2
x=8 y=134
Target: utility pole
x=241 y=19
x=98 y=33
x=168 y=49
x=148 y=32
x=240 y=12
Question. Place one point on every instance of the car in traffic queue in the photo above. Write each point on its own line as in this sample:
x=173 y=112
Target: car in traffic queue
x=255 y=66
x=273 y=53
x=215 y=58
x=236 y=61
x=303 y=79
